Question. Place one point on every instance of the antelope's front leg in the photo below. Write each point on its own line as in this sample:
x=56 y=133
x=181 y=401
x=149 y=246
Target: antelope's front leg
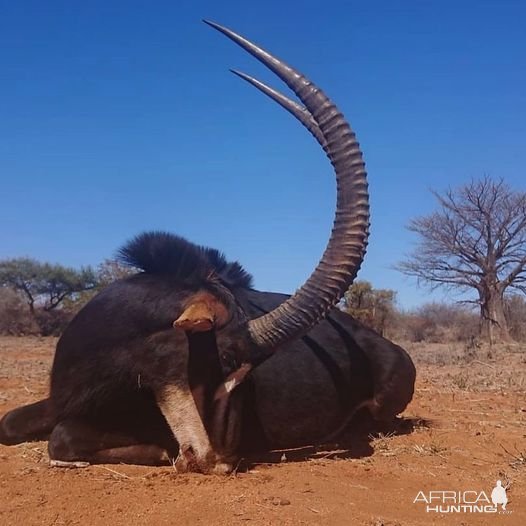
x=195 y=450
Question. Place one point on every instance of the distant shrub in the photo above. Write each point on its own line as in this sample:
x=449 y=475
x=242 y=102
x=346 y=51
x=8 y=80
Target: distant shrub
x=15 y=319
x=375 y=308
x=515 y=312
x=437 y=323
x=53 y=322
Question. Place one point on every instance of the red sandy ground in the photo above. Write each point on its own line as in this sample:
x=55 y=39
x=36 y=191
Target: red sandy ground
x=476 y=435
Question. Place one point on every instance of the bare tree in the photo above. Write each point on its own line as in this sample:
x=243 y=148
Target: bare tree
x=476 y=241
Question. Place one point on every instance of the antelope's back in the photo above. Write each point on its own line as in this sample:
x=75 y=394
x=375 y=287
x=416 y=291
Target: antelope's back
x=310 y=387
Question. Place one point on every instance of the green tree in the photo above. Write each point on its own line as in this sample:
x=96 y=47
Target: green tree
x=373 y=307
x=111 y=270
x=107 y=272
x=44 y=285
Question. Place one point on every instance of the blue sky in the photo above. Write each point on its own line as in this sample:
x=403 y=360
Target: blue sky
x=118 y=117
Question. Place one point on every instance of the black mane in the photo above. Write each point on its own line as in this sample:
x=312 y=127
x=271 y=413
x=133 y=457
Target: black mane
x=165 y=253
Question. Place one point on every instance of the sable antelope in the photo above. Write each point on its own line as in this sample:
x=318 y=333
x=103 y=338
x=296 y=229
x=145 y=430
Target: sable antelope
x=157 y=365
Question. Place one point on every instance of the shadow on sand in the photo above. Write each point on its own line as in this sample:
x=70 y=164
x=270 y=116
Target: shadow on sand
x=354 y=442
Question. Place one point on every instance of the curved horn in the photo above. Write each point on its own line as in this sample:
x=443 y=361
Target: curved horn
x=295 y=109
x=346 y=247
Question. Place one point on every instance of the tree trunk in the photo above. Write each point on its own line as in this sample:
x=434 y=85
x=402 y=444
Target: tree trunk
x=493 y=324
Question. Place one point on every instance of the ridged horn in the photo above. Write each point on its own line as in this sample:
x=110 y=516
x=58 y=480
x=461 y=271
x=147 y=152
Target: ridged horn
x=297 y=110
x=346 y=247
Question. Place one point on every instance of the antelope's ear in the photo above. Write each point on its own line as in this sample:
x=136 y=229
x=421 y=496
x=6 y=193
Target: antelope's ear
x=202 y=312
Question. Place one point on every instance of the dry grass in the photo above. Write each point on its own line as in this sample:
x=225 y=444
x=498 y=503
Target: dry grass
x=442 y=354
x=433 y=448
x=518 y=457
x=472 y=368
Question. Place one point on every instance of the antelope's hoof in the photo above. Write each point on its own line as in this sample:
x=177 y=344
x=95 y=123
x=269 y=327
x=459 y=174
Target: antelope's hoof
x=211 y=463
x=222 y=468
